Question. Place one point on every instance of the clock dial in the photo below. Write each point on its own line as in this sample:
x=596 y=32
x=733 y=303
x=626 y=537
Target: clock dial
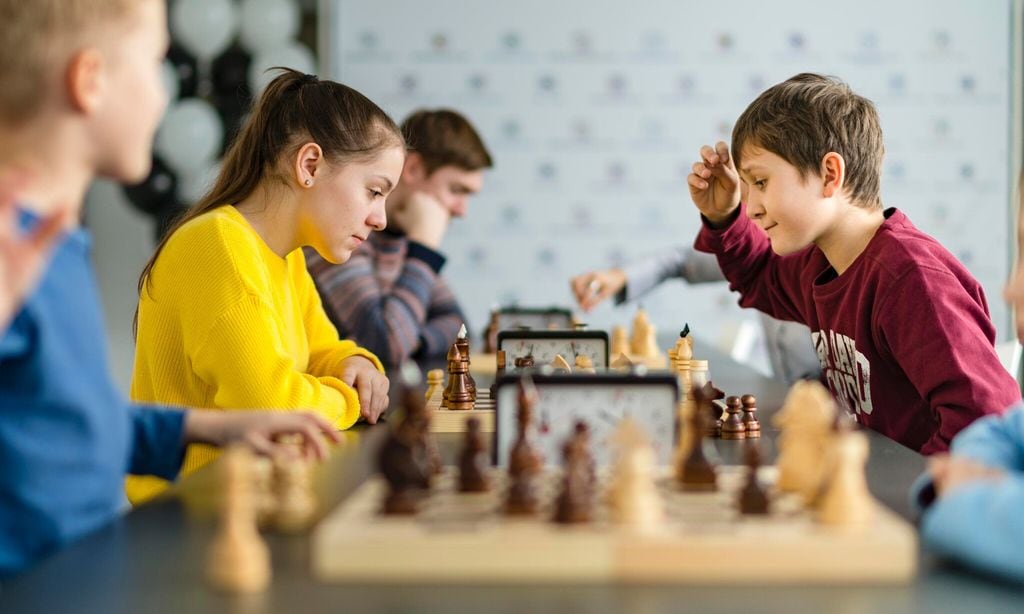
x=535 y=319
x=545 y=345
x=601 y=401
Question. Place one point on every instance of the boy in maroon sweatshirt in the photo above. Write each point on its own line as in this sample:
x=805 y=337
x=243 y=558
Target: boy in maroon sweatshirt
x=901 y=328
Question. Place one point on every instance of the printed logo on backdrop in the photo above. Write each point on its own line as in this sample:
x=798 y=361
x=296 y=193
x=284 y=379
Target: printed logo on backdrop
x=846 y=370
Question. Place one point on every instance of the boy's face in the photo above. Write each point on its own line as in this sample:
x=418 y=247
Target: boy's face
x=342 y=208
x=791 y=209
x=450 y=185
x=133 y=96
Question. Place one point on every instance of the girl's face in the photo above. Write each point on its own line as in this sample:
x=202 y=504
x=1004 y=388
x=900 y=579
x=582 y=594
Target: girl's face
x=346 y=203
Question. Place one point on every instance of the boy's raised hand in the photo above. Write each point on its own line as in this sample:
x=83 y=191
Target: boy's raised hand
x=715 y=184
x=22 y=256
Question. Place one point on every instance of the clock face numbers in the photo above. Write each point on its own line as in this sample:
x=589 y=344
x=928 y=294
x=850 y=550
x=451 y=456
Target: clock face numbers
x=545 y=350
x=652 y=404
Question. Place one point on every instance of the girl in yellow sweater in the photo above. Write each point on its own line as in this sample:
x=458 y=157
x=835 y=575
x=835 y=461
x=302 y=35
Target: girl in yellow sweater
x=228 y=315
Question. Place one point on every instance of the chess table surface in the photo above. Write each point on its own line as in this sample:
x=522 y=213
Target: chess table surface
x=152 y=559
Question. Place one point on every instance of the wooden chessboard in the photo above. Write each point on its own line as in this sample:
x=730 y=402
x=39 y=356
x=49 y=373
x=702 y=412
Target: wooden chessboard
x=464 y=538
x=449 y=421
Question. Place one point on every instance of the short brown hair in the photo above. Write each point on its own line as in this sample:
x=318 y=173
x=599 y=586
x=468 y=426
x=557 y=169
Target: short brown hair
x=33 y=35
x=809 y=115
x=445 y=138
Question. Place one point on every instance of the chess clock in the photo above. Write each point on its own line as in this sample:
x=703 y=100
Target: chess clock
x=534 y=318
x=601 y=400
x=544 y=345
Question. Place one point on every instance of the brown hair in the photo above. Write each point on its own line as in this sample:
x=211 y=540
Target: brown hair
x=293 y=109
x=809 y=115
x=445 y=138
x=33 y=36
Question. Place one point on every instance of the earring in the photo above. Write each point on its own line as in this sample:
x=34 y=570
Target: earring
x=309 y=182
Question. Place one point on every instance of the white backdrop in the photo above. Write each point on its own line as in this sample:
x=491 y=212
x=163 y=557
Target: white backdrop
x=595 y=113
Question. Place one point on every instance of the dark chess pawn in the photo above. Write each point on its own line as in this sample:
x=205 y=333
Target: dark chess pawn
x=753 y=498
x=732 y=426
x=696 y=472
x=581 y=438
x=525 y=462
x=404 y=464
x=714 y=418
x=575 y=502
x=491 y=334
x=750 y=420
x=421 y=417
x=473 y=462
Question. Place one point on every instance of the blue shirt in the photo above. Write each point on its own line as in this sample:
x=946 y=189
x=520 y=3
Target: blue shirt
x=979 y=523
x=67 y=436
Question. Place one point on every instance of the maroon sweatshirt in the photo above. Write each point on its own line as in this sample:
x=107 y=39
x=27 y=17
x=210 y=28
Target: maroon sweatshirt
x=904 y=336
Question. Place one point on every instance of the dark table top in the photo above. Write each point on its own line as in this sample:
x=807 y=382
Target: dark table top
x=152 y=559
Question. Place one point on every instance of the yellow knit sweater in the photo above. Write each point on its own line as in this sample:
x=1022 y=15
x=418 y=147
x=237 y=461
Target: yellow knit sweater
x=225 y=323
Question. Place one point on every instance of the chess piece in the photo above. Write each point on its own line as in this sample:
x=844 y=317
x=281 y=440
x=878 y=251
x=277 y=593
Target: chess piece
x=805 y=422
x=713 y=420
x=405 y=468
x=696 y=473
x=525 y=462
x=420 y=416
x=559 y=363
x=642 y=339
x=846 y=501
x=498 y=372
x=524 y=362
x=473 y=461
x=238 y=560
x=296 y=503
x=263 y=490
x=619 y=341
x=622 y=363
x=750 y=421
x=672 y=366
x=732 y=426
x=633 y=496
x=435 y=380
x=491 y=334
x=575 y=502
x=457 y=396
x=684 y=345
x=462 y=341
x=753 y=499
x=584 y=364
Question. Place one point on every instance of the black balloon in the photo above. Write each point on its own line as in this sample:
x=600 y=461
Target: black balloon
x=156 y=192
x=231 y=73
x=186 y=68
x=232 y=95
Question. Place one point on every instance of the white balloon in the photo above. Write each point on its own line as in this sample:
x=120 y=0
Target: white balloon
x=204 y=27
x=193 y=185
x=190 y=136
x=265 y=24
x=170 y=77
x=290 y=55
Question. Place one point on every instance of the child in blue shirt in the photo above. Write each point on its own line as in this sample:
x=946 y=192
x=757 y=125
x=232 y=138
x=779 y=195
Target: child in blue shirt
x=80 y=95
x=972 y=498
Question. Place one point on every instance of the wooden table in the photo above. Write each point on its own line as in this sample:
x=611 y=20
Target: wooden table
x=151 y=560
